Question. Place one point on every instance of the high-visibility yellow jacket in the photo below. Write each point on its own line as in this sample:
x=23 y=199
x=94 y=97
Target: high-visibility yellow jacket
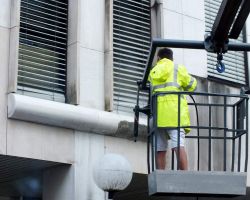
x=166 y=76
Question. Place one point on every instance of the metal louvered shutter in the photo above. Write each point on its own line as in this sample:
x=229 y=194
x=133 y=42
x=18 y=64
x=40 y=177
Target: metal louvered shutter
x=234 y=61
x=131 y=44
x=43 y=49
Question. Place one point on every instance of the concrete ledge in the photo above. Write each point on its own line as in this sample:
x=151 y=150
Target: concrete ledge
x=70 y=116
x=193 y=183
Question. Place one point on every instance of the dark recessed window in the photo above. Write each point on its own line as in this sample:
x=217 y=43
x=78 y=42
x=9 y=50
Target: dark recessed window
x=43 y=49
x=131 y=44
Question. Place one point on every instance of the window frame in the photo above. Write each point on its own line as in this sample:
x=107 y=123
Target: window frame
x=72 y=57
x=109 y=51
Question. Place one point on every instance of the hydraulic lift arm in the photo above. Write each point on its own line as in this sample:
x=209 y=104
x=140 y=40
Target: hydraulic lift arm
x=228 y=24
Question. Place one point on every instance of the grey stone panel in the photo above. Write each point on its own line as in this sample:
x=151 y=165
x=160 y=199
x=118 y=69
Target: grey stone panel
x=200 y=183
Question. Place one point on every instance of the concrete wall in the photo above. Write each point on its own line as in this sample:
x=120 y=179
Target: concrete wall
x=32 y=140
x=4 y=49
x=16 y=137
x=86 y=38
x=77 y=181
x=180 y=20
x=92 y=54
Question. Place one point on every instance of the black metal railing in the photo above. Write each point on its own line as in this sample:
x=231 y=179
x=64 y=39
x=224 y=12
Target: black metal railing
x=224 y=113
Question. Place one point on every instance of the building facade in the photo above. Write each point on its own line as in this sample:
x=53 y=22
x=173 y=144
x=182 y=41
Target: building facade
x=68 y=86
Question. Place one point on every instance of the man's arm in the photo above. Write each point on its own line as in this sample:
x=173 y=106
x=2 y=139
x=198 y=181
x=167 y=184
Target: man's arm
x=188 y=82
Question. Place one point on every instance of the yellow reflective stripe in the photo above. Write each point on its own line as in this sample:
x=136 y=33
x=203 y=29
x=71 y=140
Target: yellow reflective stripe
x=174 y=83
x=182 y=95
x=189 y=86
x=166 y=85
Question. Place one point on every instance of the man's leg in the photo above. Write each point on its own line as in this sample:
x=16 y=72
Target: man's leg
x=183 y=162
x=161 y=160
x=162 y=145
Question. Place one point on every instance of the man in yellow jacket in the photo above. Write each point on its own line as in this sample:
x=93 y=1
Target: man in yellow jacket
x=166 y=77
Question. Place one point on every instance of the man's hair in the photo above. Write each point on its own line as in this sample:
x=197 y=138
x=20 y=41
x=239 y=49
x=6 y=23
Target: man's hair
x=165 y=53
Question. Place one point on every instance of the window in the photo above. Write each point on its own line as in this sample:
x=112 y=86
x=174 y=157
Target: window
x=43 y=49
x=234 y=61
x=131 y=44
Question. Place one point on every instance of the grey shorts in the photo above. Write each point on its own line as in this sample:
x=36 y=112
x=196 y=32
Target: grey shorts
x=163 y=136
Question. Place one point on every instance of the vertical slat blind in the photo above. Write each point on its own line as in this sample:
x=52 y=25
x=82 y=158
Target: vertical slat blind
x=131 y=44
x=43 y=49
x=234 y=61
